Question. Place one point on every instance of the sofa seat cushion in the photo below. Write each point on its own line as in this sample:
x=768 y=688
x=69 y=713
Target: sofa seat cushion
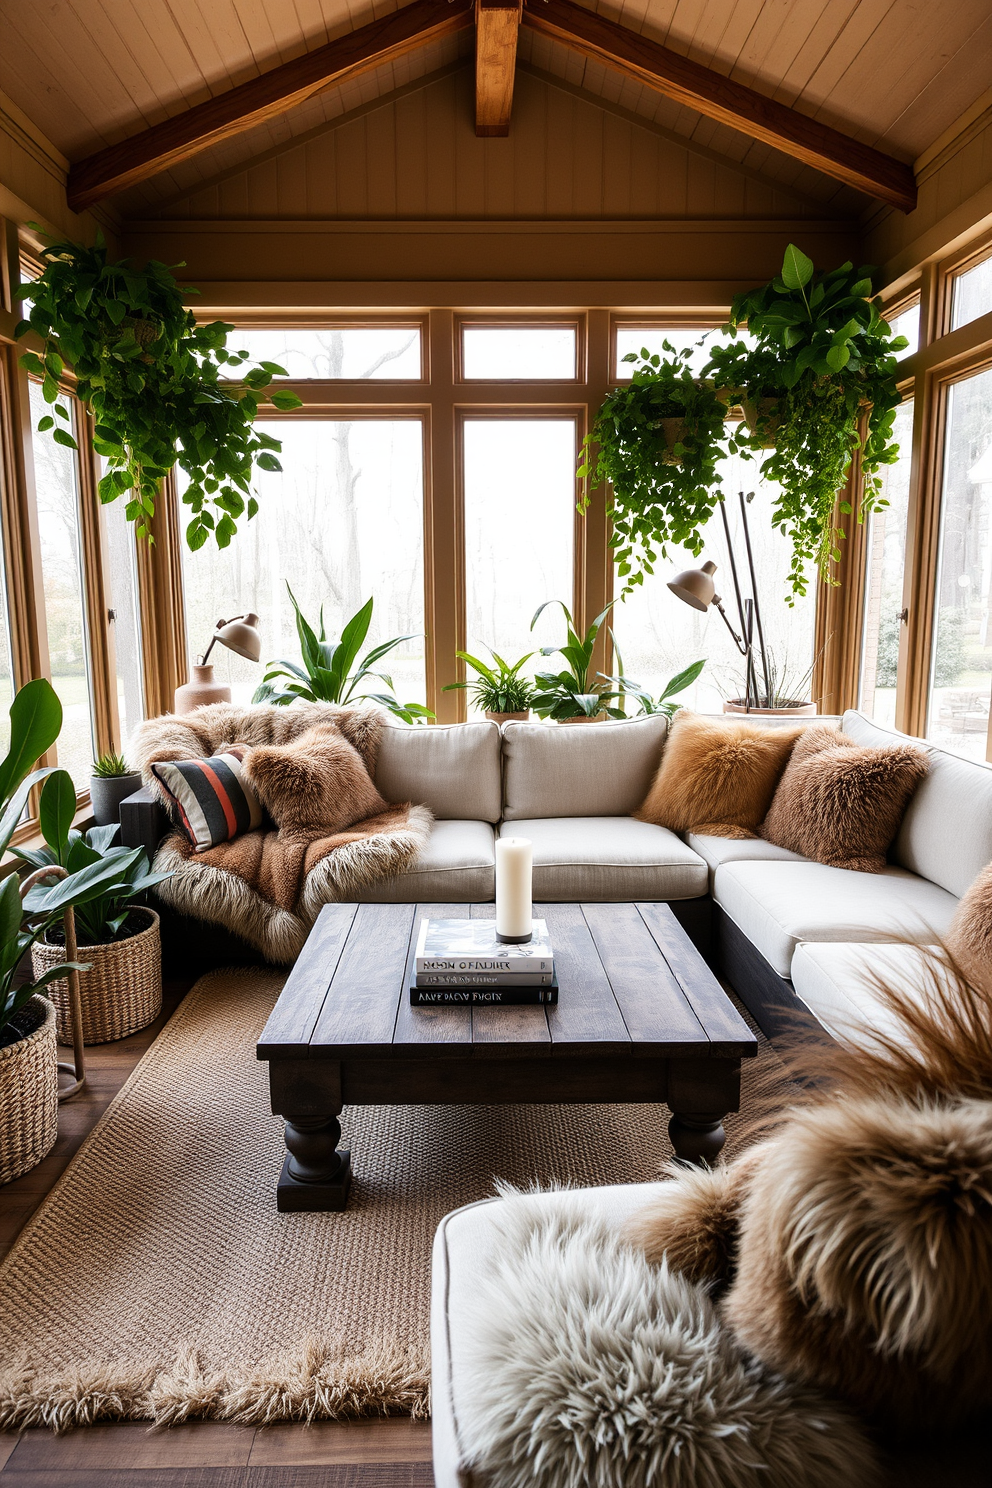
x=778 y=905
x=458 y=865
x=838 y=983
x=717 y=850
x=609 y=859
x=465 y=1244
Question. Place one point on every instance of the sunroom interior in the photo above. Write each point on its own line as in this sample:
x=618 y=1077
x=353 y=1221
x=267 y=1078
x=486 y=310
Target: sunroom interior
x=399 y=1083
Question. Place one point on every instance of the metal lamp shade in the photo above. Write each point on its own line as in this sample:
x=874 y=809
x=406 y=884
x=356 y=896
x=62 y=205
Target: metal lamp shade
x=695 y=586
x=241 y=636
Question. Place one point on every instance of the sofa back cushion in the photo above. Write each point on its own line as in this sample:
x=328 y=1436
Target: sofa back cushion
x=452 y=768
x=946 y=834
x=580 y=769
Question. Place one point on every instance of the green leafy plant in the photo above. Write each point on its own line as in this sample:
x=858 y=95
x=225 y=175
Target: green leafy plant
x=647 y=702
x=152 y=380
x=326 y=674
x=104 y=882
x=658 y=441
x=576 y=691
x=110 y=767
x=820 y=381
x=498 y=689
x=17 y=936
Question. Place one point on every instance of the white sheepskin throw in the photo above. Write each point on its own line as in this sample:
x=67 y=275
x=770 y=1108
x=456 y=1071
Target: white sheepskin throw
x=586 y=1367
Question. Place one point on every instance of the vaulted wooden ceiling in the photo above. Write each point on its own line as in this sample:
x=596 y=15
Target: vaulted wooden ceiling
x=889 y=75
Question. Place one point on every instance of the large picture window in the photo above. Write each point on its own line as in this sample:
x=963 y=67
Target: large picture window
x=884 y=623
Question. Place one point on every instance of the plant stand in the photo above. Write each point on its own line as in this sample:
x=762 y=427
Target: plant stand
x=76 y=1071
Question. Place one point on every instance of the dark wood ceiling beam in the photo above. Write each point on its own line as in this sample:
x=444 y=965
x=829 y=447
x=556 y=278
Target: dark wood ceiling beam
x=497 y=26
x=263 y=98
x=722 y=99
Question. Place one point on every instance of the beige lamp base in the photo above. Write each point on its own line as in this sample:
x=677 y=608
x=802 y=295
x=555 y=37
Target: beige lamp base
x=200 y=690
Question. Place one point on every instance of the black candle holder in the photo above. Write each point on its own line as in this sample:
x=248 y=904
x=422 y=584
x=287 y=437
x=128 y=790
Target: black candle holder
x=515 y=939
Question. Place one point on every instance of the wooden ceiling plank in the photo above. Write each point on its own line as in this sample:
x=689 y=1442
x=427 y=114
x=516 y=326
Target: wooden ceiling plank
x=497 y=26
x=723 y=99
x=263 y=98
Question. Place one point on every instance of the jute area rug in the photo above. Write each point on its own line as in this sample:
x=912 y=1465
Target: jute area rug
x=158 y=1282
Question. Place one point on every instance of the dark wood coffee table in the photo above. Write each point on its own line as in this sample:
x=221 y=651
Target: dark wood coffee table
x=640 y=1017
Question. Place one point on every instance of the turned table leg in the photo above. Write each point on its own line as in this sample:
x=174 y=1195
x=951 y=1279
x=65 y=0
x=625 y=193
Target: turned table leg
x=316 y=1174
x=700 y=1093
x=697 y=1138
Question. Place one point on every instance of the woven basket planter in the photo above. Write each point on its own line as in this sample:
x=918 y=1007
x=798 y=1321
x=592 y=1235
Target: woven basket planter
x=29 y=1097
x=121 y=992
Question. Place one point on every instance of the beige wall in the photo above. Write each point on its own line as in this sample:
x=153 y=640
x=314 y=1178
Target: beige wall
x=32 y=180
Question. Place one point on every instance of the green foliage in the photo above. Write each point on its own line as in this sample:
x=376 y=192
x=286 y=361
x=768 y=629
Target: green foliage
x=110 y=767
x=499 y=689
x=665 y=480
x=151 y=378
x=326 y=675
x=647 y=702
x=104 y=883
x=16 y=938
x=573 y=692
x=823 y=353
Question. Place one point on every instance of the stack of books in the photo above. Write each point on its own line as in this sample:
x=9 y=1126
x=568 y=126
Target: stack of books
x=460 y=962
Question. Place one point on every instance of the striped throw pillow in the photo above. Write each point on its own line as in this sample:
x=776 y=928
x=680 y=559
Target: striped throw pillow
x=212 y=797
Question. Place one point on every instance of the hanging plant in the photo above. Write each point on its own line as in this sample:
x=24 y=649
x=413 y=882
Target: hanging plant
x=151 y=379
x=820 y=380
x=657 y=440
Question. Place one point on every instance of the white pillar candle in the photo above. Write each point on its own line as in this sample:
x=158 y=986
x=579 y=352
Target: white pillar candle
x=514 y=910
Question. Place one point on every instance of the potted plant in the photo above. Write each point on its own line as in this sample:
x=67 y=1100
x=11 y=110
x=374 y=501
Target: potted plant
x=658 y=441
x=326 y=675
x=780 y=691
x=500 y=691
x=110 y=784
x=647 y=702
x=162 y=390
x=573 y=695
x=121 y=989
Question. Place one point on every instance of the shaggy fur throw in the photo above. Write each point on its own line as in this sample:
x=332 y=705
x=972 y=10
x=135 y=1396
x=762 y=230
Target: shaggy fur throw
x=853 y=1247
x=840 y=803
x=311 y=766
x=583 y=1366
x=970 y=937
x=717 y=778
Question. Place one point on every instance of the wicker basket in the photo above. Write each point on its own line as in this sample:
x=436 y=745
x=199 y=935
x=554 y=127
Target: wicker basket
x=121 y=992
x=29 y=1097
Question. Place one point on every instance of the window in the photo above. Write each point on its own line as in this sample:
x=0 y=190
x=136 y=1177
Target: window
x=519 y=353
x=122 y=591
x=348 y=353
x=961 y=661
x=636 y=339
x=907 y=323
x=885 y=568
x=971 y=293
x=519 y=496
x=57 y=486
x=344 y=521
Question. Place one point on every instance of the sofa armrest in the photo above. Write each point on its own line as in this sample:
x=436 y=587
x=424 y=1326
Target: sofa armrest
x=144 y=821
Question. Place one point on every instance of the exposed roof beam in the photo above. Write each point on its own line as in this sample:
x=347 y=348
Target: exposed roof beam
x=720 y=98
x=264 y=98
x=497 y=24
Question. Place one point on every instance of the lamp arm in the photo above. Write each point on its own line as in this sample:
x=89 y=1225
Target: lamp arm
x=203 y=658
x=742 y=646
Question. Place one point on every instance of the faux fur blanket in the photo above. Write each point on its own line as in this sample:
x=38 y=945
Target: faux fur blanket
x=311 y=766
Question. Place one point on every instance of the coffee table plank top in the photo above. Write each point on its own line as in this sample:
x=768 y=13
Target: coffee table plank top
x=631 y=982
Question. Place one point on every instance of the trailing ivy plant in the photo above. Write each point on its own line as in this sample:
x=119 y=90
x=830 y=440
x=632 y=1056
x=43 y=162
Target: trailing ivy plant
x=151 y=378
x=820 y=378
x=658 y=441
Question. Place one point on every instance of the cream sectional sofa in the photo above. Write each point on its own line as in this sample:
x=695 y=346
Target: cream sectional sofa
x=792 y=936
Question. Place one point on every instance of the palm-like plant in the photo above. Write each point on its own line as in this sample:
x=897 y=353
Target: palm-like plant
x=574 y=692
x=326 y=675
x=647 y=701
x=499 y=688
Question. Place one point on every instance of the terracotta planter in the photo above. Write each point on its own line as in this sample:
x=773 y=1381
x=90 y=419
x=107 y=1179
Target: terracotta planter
x=200 y=690
x=121 y=992
x=106 y=794
x=795 y=710
x=29 y=1097
x=672 y=431
x=502 y=718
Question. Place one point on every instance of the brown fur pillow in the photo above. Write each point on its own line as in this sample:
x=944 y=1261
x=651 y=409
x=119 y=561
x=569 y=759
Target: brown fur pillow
x=316 y=782
x=970 y=937
x=717 y=778
x=840 y=803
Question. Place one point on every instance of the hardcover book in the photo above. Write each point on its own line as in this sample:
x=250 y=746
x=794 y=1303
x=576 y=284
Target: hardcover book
x=499 y=996
x=471 y=946
x=484 y=978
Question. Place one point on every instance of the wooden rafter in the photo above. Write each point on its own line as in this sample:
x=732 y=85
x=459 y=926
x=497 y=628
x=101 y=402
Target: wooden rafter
x=718 y=97
x=164 y=145
x=497 y=25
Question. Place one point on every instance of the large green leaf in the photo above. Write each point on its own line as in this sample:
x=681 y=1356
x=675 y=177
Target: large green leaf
x=56 y=810
x=352 y=637
x=15 y=806
x=35 y=721
x=797 y=269
x=82 y=887
x=10 y=908
x=682 y=680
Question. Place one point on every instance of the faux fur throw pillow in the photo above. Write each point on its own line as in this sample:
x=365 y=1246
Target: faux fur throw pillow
x=970 y=937
x=717 y=778
x=841 y=803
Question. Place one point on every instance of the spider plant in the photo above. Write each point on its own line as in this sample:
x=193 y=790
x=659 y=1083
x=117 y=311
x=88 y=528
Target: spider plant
x=326 y=674
x=499 y=689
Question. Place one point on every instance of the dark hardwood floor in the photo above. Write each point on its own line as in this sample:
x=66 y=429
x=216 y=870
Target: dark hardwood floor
x=394 y=1453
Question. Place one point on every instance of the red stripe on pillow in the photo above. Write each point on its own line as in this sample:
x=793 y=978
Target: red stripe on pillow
x=222 y=797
